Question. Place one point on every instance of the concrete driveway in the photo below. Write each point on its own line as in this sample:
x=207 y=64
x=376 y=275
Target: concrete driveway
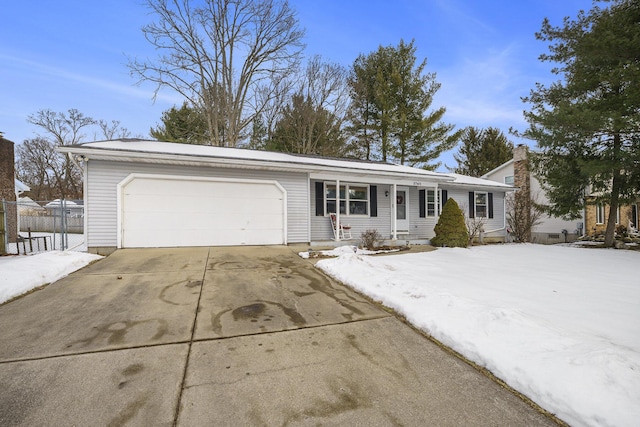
x=228 y=336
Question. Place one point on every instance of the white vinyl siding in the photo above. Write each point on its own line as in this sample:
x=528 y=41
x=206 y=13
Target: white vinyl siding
x=461 y=196
x=104 y=176
x=321 y=227
x=419 y=228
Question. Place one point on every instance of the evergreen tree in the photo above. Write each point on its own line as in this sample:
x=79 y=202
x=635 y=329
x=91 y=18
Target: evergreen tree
x=185 y=124
x=587 y=125
x=482 y=150
x=307 y=129
x=451 y=229
x=391 y=98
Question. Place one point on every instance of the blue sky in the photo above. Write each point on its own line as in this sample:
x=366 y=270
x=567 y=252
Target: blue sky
x=73 y=54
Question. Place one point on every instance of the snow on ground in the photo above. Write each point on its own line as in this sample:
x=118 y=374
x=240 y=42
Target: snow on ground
x=559 y=324
x=21 y=273
x=341 y=250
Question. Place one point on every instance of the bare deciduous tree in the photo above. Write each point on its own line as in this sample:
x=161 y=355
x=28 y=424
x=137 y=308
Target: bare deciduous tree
x=311 y=121
x=219 y=55
x=474 y=225
x=113 y=130
x=51 y=174
x=523 y=214
x=63 y=179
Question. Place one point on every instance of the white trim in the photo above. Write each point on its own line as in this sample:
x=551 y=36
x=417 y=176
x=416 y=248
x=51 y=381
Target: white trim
x=407 y=206
x=496 y=169
x=122 y=184
x=394 y=226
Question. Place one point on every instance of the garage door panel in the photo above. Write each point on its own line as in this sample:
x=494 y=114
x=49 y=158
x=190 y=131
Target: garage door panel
x=190 y=212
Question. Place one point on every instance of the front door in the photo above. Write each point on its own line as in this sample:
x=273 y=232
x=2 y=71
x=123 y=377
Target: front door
x=402 y=210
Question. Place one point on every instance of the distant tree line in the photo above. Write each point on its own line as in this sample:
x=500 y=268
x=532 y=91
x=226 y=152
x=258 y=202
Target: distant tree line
x=50 y=174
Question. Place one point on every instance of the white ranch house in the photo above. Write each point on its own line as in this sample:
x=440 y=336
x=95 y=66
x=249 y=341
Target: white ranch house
x=141 y=193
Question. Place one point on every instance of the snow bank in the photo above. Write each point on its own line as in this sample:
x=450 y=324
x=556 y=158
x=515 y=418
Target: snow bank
x=20 y=274
x=559 y=324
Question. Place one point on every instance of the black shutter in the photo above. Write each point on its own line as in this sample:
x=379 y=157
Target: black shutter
x=373 y=200
x=319 y=198
x=490 y=205
x=445 y=196
x=422 y=203
x=471 y=205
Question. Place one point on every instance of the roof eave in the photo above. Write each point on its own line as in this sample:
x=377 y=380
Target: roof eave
x=151 y=157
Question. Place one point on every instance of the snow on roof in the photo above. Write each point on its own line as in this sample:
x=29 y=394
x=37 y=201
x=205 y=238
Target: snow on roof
x=241 y=154
x=134 y=147
x=21 y=187
x=58 y=202
x=469 y=180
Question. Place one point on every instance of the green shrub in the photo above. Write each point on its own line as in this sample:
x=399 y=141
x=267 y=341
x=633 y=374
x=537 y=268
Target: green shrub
x=451 y=230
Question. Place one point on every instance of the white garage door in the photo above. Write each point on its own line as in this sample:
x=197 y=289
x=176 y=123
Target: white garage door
x=160 y=211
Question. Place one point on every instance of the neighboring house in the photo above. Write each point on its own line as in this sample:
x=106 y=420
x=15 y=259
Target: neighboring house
x=26 y=206
x=21 y=187
x=593 y=221
x=71 y=208
x=597 y=215
x=156 y=194
x=550 y=229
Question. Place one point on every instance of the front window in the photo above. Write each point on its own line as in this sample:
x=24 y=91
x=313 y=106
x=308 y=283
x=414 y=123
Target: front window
x=353 y=196
x=358 y=200
x=431 y=203
x=481 y=205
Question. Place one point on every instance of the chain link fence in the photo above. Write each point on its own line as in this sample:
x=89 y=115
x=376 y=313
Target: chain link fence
x=28 y=226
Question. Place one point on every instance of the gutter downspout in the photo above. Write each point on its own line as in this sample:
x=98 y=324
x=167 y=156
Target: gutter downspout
x=338 y=210
x=83 y=167
x=504 y=218
x=394 y=213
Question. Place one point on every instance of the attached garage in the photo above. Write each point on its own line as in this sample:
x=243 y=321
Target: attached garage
x=173 y=211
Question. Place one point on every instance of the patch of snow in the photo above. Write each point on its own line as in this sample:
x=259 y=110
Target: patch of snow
x=21 y=273
x=341 y=250
x=559 y=324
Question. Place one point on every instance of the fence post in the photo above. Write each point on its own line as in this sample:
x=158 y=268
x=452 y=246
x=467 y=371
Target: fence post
x=64 y=242
x=3 y=229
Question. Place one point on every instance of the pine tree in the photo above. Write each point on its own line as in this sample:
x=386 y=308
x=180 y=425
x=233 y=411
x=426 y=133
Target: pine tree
x=390 y=111
x=587 y=125
x=482 y=150
x=451 y=229
x=185 y=124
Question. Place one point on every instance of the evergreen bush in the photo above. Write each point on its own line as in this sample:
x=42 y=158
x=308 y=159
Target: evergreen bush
x=451 y=230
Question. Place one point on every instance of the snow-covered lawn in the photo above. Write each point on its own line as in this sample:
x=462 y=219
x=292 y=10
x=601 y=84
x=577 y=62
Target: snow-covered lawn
x=21 y=273
x=559 y=324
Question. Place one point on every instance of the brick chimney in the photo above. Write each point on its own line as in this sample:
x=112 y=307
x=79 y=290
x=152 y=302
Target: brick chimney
x=8 y=188
x=521 y=175
x=522 y=179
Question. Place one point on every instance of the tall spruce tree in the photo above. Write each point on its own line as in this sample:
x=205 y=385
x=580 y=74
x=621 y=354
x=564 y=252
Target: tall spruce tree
x=481 y=151
x=390 y=116
x=185 y=124
x=587 y=125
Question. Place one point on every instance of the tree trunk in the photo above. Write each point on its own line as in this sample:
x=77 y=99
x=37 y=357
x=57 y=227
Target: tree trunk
x=609 y=235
